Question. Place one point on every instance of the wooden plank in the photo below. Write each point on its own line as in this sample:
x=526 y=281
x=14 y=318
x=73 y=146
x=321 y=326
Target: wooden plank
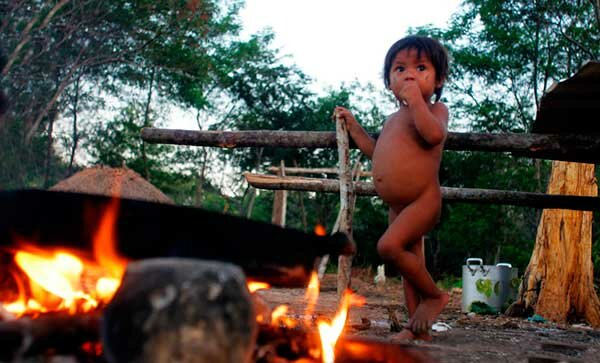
x=573 y=147
x=467 y=195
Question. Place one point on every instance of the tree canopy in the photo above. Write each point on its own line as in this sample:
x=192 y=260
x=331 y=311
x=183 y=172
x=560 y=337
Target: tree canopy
x=83 y=77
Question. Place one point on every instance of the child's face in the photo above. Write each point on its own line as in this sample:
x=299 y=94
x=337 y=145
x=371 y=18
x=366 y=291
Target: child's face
x=407 y=67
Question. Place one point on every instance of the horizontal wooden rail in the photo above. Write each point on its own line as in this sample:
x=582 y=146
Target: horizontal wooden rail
x=575 y=147
x=295 y=170
x=480 y=196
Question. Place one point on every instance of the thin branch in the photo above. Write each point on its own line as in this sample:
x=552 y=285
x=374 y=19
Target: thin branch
x=574 y=42
x=57 y=94
x=13 y=7
x=596 y=6
x=515 y=93
x=26 y=34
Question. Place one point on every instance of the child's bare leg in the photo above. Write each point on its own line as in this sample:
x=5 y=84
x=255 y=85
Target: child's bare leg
x=410 y=293
x=397 y=245
x=411 y=297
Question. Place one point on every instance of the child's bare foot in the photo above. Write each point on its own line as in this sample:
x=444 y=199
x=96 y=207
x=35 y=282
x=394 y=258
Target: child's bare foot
x=426 y=312
x=407 y=335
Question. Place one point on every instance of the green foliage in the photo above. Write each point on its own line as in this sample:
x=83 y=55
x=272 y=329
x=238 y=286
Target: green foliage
x=25 y=164
x=183 y=52
x=480 y=307
x=171 y=169
x=154 y=54
x=448 y=282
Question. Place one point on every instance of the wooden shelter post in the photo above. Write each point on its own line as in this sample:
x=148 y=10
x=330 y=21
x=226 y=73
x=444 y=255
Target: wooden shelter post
x=280 y=201
x=346 y=195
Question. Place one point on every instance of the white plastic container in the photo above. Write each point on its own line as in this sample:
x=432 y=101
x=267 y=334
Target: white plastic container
x=489 y=284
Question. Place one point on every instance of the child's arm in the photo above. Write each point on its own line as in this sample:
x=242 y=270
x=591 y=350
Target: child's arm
x=431 y=121
x=363 y=140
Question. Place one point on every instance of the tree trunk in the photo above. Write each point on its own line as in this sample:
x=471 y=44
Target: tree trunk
x=252 y=190
x=200 y=181
x=558 y=283
x=302 y=208
x=147 y=124
x=49 y=148
x=75 y=135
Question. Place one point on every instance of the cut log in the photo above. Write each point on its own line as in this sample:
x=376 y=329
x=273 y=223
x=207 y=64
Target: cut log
x=558 y=282
x=181 y=310
x=574 y=147
x=478 y=196
x=279 y=256
x=60 y=333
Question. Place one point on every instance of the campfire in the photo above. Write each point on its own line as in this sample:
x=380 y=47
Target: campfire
x=78 y=301
x=53 y=280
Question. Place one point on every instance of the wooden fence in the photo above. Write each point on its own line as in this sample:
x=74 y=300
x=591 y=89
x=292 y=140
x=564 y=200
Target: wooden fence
x=577 y=148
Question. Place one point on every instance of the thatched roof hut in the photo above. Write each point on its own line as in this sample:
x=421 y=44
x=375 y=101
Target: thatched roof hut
x=121 y=182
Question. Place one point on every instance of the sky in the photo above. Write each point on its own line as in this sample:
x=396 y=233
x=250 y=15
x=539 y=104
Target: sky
x=335 y=41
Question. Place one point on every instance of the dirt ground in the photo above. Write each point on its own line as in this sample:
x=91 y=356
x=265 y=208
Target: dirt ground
x=471 y=338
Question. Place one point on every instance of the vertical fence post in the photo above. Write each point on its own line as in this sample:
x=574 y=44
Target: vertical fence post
x=346 y=193
x=356 y=174
x=279 y=201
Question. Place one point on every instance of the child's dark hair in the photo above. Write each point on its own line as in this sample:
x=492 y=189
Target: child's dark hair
x=436 y=53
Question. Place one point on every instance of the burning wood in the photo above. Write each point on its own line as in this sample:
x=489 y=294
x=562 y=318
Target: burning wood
x=154 y=230
x=280 y=338
x=65 y=280
x=162 y=308
x=58 y=332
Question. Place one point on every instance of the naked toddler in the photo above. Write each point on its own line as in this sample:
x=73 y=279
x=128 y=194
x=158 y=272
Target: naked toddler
x=406 y=159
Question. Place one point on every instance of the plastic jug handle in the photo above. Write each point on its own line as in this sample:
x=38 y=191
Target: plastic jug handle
x=504 y=264
x=474 y=261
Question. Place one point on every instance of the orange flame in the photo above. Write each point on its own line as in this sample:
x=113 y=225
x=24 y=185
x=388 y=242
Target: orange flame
x=278 y=317
x=311 y=296
x=254 y=286
x=62 y=280
x=105 y=242
x=330 y=332
x=320 y=230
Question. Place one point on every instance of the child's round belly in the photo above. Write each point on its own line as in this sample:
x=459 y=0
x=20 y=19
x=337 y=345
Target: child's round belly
x=401 y=186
